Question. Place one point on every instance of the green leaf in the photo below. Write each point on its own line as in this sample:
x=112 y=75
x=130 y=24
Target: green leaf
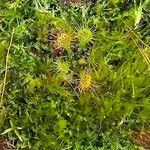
x=7 y=131
x=18 y=135
x=138 y=15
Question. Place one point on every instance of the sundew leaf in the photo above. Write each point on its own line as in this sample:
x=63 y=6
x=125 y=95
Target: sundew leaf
x=84 y=36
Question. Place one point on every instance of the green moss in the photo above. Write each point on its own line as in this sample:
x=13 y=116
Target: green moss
x=43 y=106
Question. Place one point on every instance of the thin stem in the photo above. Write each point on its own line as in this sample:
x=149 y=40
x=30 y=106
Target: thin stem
x=6 y=69
x=143 y=53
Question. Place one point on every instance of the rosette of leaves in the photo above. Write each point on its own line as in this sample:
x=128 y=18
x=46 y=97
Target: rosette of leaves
x=84 y=36
x=62 y=40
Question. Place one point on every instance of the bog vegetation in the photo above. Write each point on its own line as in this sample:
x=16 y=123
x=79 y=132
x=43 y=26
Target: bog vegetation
x=74 y=75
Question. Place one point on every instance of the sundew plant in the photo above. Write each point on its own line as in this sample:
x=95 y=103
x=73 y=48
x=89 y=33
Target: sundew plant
x=74 y=74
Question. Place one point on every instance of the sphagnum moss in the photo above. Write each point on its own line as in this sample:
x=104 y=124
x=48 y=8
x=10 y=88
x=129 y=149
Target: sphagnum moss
x=75 y=95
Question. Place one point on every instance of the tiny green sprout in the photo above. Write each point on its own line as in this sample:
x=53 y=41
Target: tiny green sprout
x=84 y=35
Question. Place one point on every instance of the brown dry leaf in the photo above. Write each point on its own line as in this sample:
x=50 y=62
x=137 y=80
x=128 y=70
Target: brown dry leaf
x=5 y=145
x=142 y=139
